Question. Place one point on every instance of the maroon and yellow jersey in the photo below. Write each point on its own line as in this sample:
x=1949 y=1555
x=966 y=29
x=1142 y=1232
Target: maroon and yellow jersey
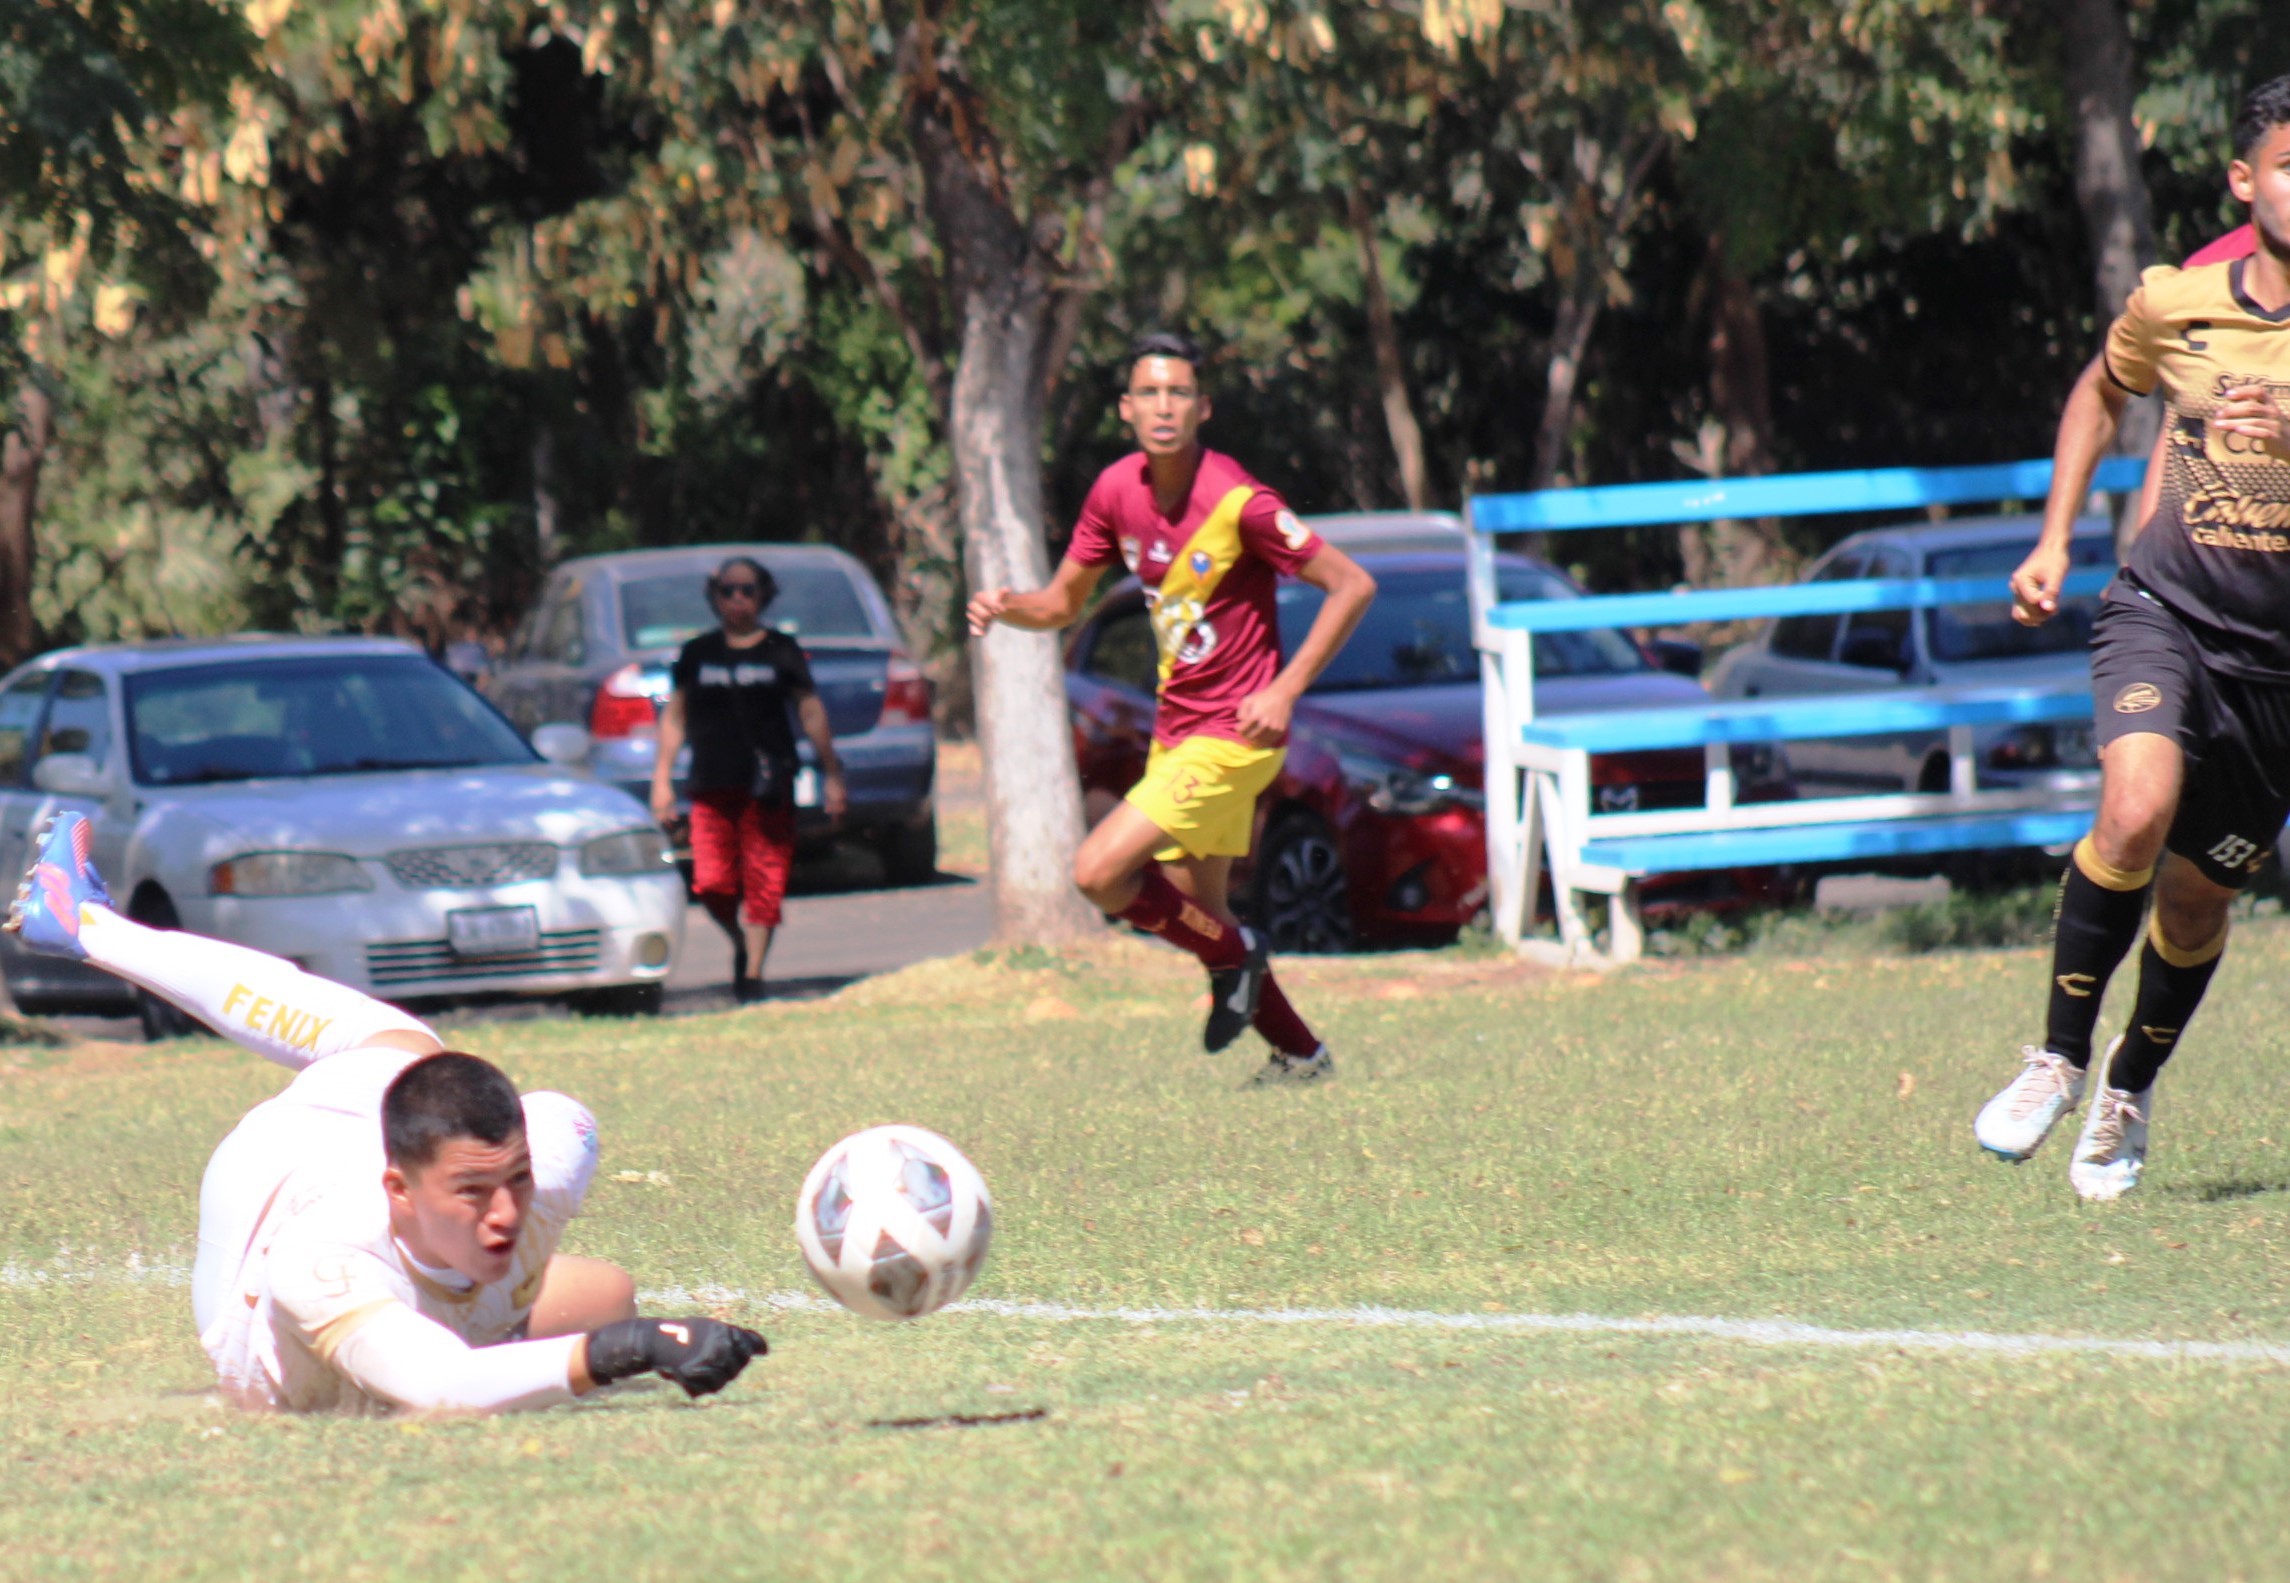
x=2218 y=550
x=1211 y=572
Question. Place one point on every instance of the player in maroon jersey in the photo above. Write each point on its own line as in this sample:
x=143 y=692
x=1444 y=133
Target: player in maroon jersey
x=1210 y=544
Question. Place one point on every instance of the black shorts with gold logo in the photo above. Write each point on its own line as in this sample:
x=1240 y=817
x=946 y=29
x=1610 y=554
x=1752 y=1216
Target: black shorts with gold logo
x=2147 y=674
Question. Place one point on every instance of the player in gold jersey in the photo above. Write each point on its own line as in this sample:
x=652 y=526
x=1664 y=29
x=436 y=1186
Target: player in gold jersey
x=2190 y=667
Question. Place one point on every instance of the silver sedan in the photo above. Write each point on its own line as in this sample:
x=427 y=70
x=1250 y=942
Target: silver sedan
x=339 y=801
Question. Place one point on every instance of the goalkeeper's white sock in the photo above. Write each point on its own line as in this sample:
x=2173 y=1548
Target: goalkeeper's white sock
x=261 y=1001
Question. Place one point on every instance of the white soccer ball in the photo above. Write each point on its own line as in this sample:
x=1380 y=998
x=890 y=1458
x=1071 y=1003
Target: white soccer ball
x=894 y=1222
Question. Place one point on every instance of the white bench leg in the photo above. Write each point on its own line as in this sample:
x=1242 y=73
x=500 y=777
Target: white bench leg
x=1510 y=847
x=1625 y=926
x=1575 y=941
x=1529 y=873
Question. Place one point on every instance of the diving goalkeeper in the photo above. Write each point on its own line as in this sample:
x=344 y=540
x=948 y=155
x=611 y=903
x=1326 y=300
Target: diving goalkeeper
x=382 y=1234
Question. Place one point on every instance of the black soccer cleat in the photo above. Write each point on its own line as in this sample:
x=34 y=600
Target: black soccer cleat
x=1233 y=994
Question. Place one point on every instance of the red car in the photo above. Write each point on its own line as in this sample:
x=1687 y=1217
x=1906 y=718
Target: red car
x=1375 y=830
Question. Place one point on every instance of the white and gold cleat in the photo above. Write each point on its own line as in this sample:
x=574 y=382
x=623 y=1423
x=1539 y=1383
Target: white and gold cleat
x=2014 y=1124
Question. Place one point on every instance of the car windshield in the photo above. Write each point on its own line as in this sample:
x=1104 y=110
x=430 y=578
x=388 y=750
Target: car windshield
x=304 y=716
x=814 y=602
x=1986 y=631
x=1418 y=633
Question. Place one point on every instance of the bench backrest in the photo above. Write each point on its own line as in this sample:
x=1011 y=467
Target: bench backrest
x=1782 y=495
x=1801 y=494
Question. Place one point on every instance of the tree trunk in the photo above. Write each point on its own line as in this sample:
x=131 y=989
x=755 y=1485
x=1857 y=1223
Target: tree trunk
x=1579 y=304
x=929 y=598
x=548 y=511
x=1391 y=368
x=1001 y=310
x=2117 y=216
x=1582 y=255
x=1733 y=553
x=21 y=453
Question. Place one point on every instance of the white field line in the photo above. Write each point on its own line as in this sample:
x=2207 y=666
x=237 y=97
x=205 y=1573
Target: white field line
x=1750 y=1332
x=15 y=1276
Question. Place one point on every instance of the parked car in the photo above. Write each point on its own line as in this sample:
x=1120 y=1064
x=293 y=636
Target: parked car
x=1958 y=645
x=340 y=801
x=1375 y=830
x=596 y=648
x=1359 y=533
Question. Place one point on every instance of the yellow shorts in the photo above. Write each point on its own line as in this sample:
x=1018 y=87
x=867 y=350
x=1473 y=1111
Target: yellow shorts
x=1203 y=792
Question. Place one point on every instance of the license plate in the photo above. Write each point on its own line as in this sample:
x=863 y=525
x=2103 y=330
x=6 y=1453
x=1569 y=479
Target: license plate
x=807 y=787
x=492 y=931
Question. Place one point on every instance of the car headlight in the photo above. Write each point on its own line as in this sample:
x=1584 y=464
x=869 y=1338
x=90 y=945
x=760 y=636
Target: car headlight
x=644 y=851
x=1394 y=788
x=287 y=874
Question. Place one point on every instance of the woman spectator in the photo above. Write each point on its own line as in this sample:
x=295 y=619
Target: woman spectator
x=734 y=688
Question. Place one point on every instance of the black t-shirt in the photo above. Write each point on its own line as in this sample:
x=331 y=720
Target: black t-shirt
x=739 y=701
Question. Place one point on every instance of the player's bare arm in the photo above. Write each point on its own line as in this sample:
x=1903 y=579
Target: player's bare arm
x=1045 y=609
x=834 y=796
x=672 y=733
x=2086 y=430
x=1263 y=717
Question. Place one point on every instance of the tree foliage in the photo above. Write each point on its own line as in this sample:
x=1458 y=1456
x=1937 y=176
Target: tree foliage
x=408 y=297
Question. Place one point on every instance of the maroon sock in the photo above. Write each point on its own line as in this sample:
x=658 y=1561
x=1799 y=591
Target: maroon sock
x=1278 y=1022
x=1162 y=909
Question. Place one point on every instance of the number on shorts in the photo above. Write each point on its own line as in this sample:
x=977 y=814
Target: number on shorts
x=2233 y=852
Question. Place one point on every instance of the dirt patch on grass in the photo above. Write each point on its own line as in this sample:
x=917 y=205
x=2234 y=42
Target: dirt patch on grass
x=1042 y=983
x=99 y=1057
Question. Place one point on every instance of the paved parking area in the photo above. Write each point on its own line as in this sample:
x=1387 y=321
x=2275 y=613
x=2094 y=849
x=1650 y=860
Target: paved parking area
x=832 y=938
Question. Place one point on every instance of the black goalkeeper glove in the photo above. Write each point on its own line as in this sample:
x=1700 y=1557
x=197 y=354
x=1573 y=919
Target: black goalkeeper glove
x=701 y=1355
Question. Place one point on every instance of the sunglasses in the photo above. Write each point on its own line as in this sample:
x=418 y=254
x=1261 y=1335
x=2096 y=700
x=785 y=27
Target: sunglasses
x=739 y=590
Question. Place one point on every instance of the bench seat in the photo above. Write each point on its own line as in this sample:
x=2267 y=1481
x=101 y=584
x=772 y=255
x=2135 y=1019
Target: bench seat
x=1837 y=843
x=1803 y=719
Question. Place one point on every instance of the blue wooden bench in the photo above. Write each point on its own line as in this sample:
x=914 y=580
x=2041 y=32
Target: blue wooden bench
x=1540 y=813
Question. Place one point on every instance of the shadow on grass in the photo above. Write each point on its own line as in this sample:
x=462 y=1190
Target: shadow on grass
x=718 y=997
x=2225 y=1192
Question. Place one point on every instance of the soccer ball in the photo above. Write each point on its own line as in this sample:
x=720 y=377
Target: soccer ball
x=894 y=1222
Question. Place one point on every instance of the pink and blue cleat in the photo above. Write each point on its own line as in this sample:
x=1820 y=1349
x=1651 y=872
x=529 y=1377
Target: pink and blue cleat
x=46 y=912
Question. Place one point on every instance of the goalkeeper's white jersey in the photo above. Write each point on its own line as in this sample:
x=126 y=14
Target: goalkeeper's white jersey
x=293 y=1212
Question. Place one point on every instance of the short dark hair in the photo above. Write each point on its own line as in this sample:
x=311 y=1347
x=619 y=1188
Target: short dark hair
x=446 y=1096
x=2264 y=108
x=768 y=584
x=1161 y=343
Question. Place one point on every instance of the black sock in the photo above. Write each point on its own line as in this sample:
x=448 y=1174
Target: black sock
x=2171 y=985
x=2098 y=918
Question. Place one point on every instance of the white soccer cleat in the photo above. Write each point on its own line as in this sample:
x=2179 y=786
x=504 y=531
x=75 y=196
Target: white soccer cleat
x=2014 y=1124
x=1318 y=1067
x=2112 y=1150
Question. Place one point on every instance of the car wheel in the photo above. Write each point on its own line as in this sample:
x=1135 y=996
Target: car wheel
x=1303 y=899
x=909 y=853
x=162 y=1019
x=621 y=1000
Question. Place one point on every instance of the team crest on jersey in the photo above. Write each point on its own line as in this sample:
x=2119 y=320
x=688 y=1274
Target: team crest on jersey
x=1160 y=554
x=2138 y=698
x=1292 y=529
x=1201 y=563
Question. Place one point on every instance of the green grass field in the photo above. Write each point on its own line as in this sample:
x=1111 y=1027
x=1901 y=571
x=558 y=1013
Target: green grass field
x=1748 y=1139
